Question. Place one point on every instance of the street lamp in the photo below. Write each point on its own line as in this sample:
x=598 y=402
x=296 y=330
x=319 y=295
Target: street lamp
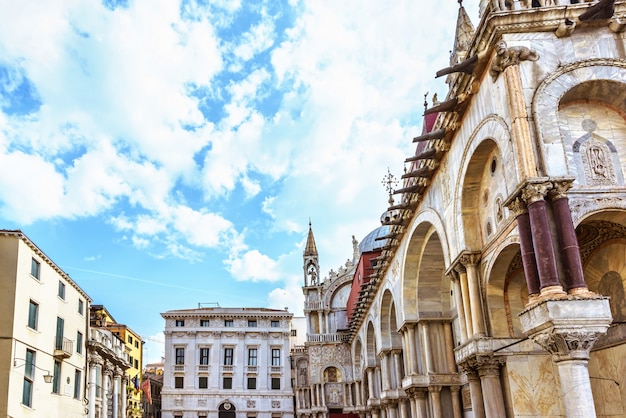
x=46 y=377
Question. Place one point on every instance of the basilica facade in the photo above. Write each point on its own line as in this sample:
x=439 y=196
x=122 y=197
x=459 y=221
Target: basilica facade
x=495 y=285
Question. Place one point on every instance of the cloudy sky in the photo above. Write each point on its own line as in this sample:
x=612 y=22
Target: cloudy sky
x=166 y=153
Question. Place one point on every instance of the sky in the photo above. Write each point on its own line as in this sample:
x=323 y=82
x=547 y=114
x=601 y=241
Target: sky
x=171 y=153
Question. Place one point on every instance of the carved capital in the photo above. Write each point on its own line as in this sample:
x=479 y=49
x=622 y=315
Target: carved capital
x=559 y=188
x=517 y=206
x=489 y=365
x=534 y=192
x=434 y=388
x=417 y=393
x=469 y=259
x=568 y=345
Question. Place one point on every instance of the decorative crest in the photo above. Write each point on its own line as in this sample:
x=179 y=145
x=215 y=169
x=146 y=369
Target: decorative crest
x=389 y=181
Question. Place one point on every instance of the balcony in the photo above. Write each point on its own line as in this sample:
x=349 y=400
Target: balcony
x=228 y=369
x=251 y=369
x=314 y=305
x=501 y=6
x=179 y=368
x=63 y=347
x=340 y=337
x=204 y=368
x=276 y=369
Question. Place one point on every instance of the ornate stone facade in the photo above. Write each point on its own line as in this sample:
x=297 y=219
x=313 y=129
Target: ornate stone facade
x=489 y=296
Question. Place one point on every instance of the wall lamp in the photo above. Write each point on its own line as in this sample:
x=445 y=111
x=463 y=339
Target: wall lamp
x=46 y=377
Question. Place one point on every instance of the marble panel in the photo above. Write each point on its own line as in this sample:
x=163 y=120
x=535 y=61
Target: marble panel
x=534 y=387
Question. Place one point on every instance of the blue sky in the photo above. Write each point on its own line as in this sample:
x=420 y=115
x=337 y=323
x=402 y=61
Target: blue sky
x=168 y=153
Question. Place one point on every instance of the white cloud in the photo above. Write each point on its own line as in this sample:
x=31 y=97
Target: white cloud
x=253 y=266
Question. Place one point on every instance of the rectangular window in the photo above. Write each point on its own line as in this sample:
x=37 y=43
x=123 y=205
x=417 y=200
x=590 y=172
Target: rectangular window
x=33 y=314
x=204 y=322
x=275 y=383
x=56 y=378
x=203 y=382
x=29 y=375
x=81 y=306
x=178 y=382
x=61 y=293
x=228 y=356
x=136 y=364
x=275 y=356
x=227 y=383
x=35 y=268
x=228 y=323
x=275 y=324
x=77 y=378
x=204 y=355
x=294 y=332
x=180 y=322
x=252 y=383
x=252 y=323
x=79 y=342
x=60 y=333
x=180 y=355
x=252 y=356
x=130 y=339
x=136 y=343
x=130 y=359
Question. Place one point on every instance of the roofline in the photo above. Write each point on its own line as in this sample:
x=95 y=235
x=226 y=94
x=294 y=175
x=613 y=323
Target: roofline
x=228 y=312
x=16 y=233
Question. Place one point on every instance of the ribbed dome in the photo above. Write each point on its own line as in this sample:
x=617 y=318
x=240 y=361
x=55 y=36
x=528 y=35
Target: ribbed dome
x=369 y=243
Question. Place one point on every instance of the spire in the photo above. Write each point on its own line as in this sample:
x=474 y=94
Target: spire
x=462 y=37
x=310 y=249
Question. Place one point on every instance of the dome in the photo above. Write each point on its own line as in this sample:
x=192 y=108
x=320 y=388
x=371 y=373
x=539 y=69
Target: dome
x=369 y=243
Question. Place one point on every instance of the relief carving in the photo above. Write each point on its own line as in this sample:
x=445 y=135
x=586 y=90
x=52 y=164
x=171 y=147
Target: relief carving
x=506 y=57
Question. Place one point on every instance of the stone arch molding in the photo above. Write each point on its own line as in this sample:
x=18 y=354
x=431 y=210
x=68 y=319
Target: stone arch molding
x=545 y=105
x=492 y=127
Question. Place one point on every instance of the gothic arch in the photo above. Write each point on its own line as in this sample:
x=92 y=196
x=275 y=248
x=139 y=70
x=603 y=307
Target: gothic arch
x=570 y=83
x=488 y=171
x=389 y=336
x=371 y=359
x=426 y=223
x=507 y=293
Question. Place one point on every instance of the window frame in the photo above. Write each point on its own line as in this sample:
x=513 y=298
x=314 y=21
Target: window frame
x=204 y=356
x=203 y=382
x=33 y=316
x=275 y=383
x=251 y=384
x=205 y=322
x=81 y=306
x=179 y=382
x=179 y=323
x=179 y=355
x=230 y=382
x=29 y=378
x=229 y=323
x=275 y=323
x=61 y=290
x=56 y=377
x=253 y=359
x=252 y=323
x=35 y=268
x=79 y=342
x=276 y=358
x=77 y=383
x=229 y=354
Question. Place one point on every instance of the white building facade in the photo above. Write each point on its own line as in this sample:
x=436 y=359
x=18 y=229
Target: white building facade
x=42 y=334
x=227 y=363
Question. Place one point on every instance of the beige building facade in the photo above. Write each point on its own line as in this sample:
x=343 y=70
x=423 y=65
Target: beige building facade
x=43 y=332
x=499 y=290
x=227 y=363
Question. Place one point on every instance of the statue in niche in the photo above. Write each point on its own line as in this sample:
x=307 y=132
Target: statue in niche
x=332 y=374
x=505 y=57
x=312 y=275
x=611 y=285
x=304 y=378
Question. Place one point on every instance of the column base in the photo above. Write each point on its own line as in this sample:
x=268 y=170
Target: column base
x=582 y=293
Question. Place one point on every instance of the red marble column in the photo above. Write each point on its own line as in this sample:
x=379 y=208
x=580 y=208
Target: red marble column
x=526 y=247
x=545 y=256
x=574 y=277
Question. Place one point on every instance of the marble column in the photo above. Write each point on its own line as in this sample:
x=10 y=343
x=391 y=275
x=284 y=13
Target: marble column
x=574 y=278
x=534 y=196
x=124 y=399
x=404 y=408
x=476 y=393
x=529 y=263
x=420 y=403
x=107 y=374
x=320 y=322
x=94 y=362
x=413 y=364
x=450 y=362
x=116 y=392
x=384 y=368
x=470 y=262
x=370 y=383
x=489 y=372
x=466 y=300
x=428 y=358
x=458 y=298
x=457 y=407
x=434 y=394
x=397 y=361
x=568 y=329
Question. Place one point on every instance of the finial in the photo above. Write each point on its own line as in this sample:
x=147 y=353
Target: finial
x=425 y=104
x=309 y=222
x=389 y=181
